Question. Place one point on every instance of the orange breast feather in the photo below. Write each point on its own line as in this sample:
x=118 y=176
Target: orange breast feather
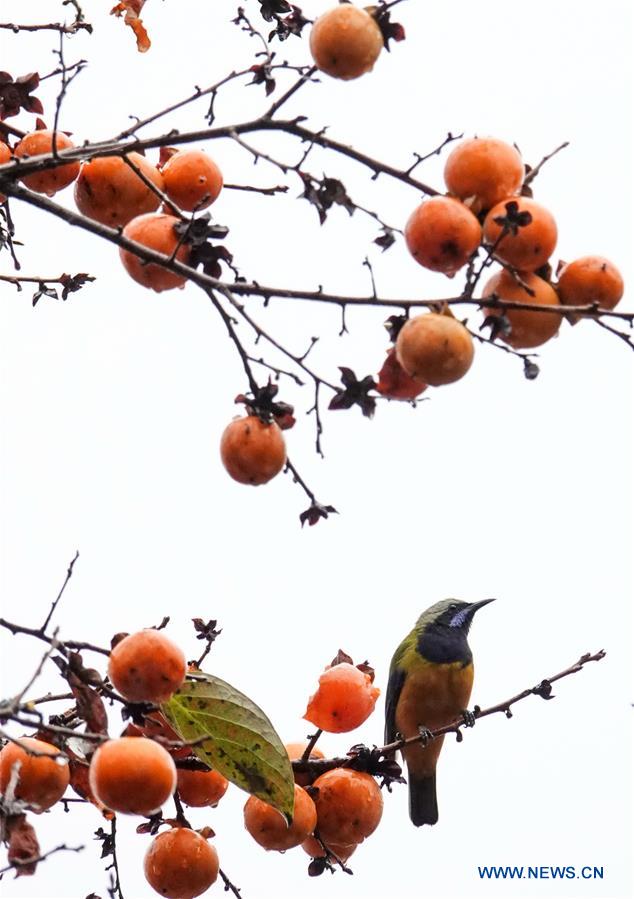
x=433 y=695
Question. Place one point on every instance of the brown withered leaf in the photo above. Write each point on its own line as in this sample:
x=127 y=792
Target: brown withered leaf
x=90 y=705
x=340 y=658
x=366 y=668
x=130 y=10
x=23 y=845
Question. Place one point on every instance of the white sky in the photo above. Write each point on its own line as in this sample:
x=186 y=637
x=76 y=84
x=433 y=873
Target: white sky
x=112 y=406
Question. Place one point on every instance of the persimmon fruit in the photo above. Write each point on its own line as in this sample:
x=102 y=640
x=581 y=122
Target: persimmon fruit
x=344 y=699
x=41 y=780
x=5 y=156
x=132 y=775
x=147 y=667
x=345 y=42
x=483 y=170
x=252 y=451
x=349 y=806
x=200 y=788
x=268 y=827
x=442 y=234
x=529 y=328
x=192 y=180
x=436 y=348
x=154 y=230
x=51 y=180
x=588 y=280
x=525 y=247
x=180 y=864
x=109 y=191
x=394 y=382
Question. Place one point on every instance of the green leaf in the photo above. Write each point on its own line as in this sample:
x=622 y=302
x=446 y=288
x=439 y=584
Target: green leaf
x=242 y=743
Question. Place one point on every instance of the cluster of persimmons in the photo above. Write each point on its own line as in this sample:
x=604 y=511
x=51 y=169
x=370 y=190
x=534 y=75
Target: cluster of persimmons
x=137 y=773
x=486 y=207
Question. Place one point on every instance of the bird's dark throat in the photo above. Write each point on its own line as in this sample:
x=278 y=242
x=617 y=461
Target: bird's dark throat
x=443 y=645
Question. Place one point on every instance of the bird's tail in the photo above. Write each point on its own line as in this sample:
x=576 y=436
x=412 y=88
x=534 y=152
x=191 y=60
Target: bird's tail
x=423 y=808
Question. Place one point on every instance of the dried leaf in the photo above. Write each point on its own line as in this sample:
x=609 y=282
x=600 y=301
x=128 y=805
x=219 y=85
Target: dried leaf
x=23 y=844
x=395 y=383
x=341 y=656
x=90 y=705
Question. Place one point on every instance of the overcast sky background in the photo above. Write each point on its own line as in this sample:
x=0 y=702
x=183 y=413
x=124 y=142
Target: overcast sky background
x=112 y=406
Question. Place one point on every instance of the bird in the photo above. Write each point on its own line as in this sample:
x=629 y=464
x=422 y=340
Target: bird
x=430 y=681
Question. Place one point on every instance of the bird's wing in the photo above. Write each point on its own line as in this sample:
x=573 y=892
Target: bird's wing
x=394 y=686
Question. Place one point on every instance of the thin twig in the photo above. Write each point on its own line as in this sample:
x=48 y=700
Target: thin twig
x=69 y=574
x=51 y=26
x=535 y=171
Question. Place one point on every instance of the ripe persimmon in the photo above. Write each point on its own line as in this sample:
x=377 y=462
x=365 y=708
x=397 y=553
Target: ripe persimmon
x=147 y=667
x=41 y=780
x=340 y=851
x=295 y=751
x=132 y=775
x=344 y=699
x=200 y=788
x=268 y=827
x=436 y=348
x=345 y=42
x=252 y=451
x=394 y=383
x=109 y=191
x=526 y=247
x=442 y=234
x=483 y=170
x=48 y=181
x=156 y=231
x=192 y=180
x=5 y=156
x=180 y=864
x=588 y=280
x=529 y=328
x=349 y=806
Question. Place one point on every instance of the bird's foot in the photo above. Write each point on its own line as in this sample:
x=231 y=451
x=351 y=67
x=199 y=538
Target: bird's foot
x=468 y=718
x=426 y=736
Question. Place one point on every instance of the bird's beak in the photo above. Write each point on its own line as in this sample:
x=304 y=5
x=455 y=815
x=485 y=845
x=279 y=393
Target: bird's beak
x=473 y=608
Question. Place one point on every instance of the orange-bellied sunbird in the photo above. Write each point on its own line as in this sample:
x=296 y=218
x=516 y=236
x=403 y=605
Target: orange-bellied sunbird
x=430 y=682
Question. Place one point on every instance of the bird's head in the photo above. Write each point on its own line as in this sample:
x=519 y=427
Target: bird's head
x=451 y=613
x=442 y=630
